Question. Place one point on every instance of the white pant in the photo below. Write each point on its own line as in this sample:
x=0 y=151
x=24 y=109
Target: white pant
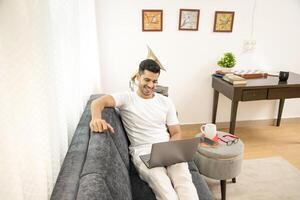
x=170 y=183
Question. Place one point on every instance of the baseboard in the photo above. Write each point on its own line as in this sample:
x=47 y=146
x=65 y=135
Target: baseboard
x=263 y=122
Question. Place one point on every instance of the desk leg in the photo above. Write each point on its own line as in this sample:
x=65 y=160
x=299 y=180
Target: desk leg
x=281 y=103
x=234 y=106
x=215 y=106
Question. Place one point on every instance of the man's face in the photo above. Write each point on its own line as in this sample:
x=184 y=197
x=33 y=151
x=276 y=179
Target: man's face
x=147 y=84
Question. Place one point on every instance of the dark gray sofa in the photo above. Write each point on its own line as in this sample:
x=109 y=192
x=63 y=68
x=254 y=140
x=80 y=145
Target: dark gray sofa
x=98 y=166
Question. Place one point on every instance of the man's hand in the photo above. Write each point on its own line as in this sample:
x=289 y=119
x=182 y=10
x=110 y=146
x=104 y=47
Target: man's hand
x=97 y=124
x=100 y=125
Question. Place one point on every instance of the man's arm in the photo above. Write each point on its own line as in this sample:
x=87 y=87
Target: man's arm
x=97 y=124
x=175 y=132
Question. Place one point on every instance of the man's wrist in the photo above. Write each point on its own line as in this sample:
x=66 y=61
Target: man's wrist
x=177 y=136
x=96 y=118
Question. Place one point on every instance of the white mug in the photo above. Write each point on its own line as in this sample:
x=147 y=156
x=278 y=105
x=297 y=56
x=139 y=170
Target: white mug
x=209 y=130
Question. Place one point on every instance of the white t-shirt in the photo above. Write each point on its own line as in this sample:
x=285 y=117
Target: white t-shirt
x=145 y=120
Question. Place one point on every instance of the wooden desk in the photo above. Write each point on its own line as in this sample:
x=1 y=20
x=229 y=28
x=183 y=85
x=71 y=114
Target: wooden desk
x=256 y=89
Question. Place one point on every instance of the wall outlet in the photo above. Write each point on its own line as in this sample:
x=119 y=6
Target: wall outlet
x=249 y=45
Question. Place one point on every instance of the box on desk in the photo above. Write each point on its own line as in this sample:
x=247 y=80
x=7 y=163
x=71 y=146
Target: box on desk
x=248 y=74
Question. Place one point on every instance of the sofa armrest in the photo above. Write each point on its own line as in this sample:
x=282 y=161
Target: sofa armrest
x=67 y=183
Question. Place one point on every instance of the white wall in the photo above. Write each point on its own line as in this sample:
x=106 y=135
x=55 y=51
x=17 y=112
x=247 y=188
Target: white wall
x=190 y=57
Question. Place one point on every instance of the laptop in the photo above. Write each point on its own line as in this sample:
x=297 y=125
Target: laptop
x=168 y=153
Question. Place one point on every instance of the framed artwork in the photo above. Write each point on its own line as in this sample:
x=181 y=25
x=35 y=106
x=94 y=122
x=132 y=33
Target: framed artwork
x=223 y=21
x=152 y=20
x=188 y=19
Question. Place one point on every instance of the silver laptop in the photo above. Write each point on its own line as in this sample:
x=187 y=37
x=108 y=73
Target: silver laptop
x=172 y=152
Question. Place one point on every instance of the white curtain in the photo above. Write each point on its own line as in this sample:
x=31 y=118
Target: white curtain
x=48 y=68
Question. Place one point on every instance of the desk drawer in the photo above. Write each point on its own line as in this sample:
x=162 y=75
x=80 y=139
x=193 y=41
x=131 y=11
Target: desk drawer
x=278 y=93
x=258 y=94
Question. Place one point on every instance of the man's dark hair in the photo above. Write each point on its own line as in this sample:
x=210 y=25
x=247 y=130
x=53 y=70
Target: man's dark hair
x=149 y=65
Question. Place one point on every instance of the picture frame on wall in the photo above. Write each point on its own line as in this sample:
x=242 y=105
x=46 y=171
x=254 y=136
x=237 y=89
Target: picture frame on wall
x=223 y=21
x=152 y=20
x=188 y=19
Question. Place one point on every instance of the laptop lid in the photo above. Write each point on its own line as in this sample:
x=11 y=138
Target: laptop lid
x=171 y=152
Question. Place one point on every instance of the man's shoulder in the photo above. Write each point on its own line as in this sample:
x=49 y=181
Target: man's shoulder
x=163 y=98
x=122 y=98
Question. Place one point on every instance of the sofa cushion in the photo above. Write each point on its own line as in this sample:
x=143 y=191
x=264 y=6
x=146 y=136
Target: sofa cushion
x=192 y=166
x=104 y=159
x=140 y=189
x=93 y=187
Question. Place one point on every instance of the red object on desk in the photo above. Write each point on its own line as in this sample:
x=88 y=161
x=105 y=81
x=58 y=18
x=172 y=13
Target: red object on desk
x=216 y=138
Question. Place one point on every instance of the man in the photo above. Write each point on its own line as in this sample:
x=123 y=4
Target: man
x=148 y=118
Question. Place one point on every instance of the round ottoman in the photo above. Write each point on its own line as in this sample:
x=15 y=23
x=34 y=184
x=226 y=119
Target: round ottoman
x=221 y=162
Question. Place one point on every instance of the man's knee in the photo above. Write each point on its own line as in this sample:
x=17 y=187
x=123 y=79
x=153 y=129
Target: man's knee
x=178 y=168
x=179 y=172
x=157 y=172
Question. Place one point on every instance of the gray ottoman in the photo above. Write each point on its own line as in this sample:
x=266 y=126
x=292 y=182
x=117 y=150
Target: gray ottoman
x=222 y=162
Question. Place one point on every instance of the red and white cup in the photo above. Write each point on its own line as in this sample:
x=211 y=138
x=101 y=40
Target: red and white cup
x=209 y=131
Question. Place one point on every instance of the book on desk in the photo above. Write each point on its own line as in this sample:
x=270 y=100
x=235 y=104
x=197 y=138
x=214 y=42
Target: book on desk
x=234 y=79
